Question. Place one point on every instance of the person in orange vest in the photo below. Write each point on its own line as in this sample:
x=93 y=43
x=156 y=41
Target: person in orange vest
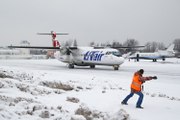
x=136 y=87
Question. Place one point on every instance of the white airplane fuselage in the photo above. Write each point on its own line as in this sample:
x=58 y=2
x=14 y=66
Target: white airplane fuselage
x=160 y=54
x=156 y=54
x=88 y=56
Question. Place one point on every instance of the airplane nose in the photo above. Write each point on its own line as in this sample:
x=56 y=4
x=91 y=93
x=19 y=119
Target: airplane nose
x=120 y=60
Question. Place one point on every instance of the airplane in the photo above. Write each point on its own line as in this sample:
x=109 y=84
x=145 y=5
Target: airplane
x=160 y=54
x=82 y=56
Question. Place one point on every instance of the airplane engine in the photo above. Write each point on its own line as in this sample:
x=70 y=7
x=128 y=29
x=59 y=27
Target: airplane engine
x=65 y=51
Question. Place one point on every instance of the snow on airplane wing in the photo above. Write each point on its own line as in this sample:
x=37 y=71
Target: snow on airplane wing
x=147 y=58
x=35 y=47
x=39 y=47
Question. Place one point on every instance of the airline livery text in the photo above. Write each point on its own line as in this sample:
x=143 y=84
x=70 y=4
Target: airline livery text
x=93 y=55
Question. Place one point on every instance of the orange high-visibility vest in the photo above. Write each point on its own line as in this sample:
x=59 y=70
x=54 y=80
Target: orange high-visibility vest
x=136 y=83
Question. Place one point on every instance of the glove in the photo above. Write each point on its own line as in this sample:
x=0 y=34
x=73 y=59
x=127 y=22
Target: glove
x=154 y=77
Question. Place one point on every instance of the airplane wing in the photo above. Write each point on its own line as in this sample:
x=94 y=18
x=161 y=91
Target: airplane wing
x=39 y=47
x=97 y=47
x=34 y=47
x=72 y=48
x=146 y=58
x=129 y=47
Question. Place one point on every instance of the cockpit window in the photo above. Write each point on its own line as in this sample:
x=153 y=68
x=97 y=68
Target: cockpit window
x=118 y=54
x=108 y=53
x=115 y=53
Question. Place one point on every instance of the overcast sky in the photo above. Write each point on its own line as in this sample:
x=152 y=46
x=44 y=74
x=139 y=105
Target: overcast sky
x=89 y=20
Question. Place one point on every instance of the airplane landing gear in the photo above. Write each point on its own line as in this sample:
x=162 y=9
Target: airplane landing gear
x=154 y=60
x=116 y=67
x=92 y=66
x=71 y=66
x=163 y=58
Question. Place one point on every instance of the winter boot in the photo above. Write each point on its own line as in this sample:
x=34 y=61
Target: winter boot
x=124 y=103
x=139 y=107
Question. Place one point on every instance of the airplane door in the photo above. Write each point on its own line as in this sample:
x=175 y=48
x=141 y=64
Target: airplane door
x=137 y=57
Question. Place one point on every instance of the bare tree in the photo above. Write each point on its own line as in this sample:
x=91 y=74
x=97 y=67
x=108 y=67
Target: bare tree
x=153 y=46
x=75 y=43
x=91 y=44
x=116 y=44
x=130 y=43
x=147 y=47
x=161 y=46
x=68 y=43
x=177 y=44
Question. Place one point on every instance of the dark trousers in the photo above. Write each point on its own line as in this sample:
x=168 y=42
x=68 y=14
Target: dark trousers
x=140 y=99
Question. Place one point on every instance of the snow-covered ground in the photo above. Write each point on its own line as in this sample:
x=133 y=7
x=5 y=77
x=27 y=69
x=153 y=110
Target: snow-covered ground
x=47 y=89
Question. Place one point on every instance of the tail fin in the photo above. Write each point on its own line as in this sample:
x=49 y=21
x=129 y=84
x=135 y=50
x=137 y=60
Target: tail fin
x=170 y=48
x=55 y=42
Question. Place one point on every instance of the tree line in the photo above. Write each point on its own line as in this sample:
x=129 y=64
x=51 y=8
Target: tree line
x=149 y=46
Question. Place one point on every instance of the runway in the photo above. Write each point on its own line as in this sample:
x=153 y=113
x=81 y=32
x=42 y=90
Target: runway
x=100 y=89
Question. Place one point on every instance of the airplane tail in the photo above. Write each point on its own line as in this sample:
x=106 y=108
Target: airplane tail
x=170 y=48
x=55 y=42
